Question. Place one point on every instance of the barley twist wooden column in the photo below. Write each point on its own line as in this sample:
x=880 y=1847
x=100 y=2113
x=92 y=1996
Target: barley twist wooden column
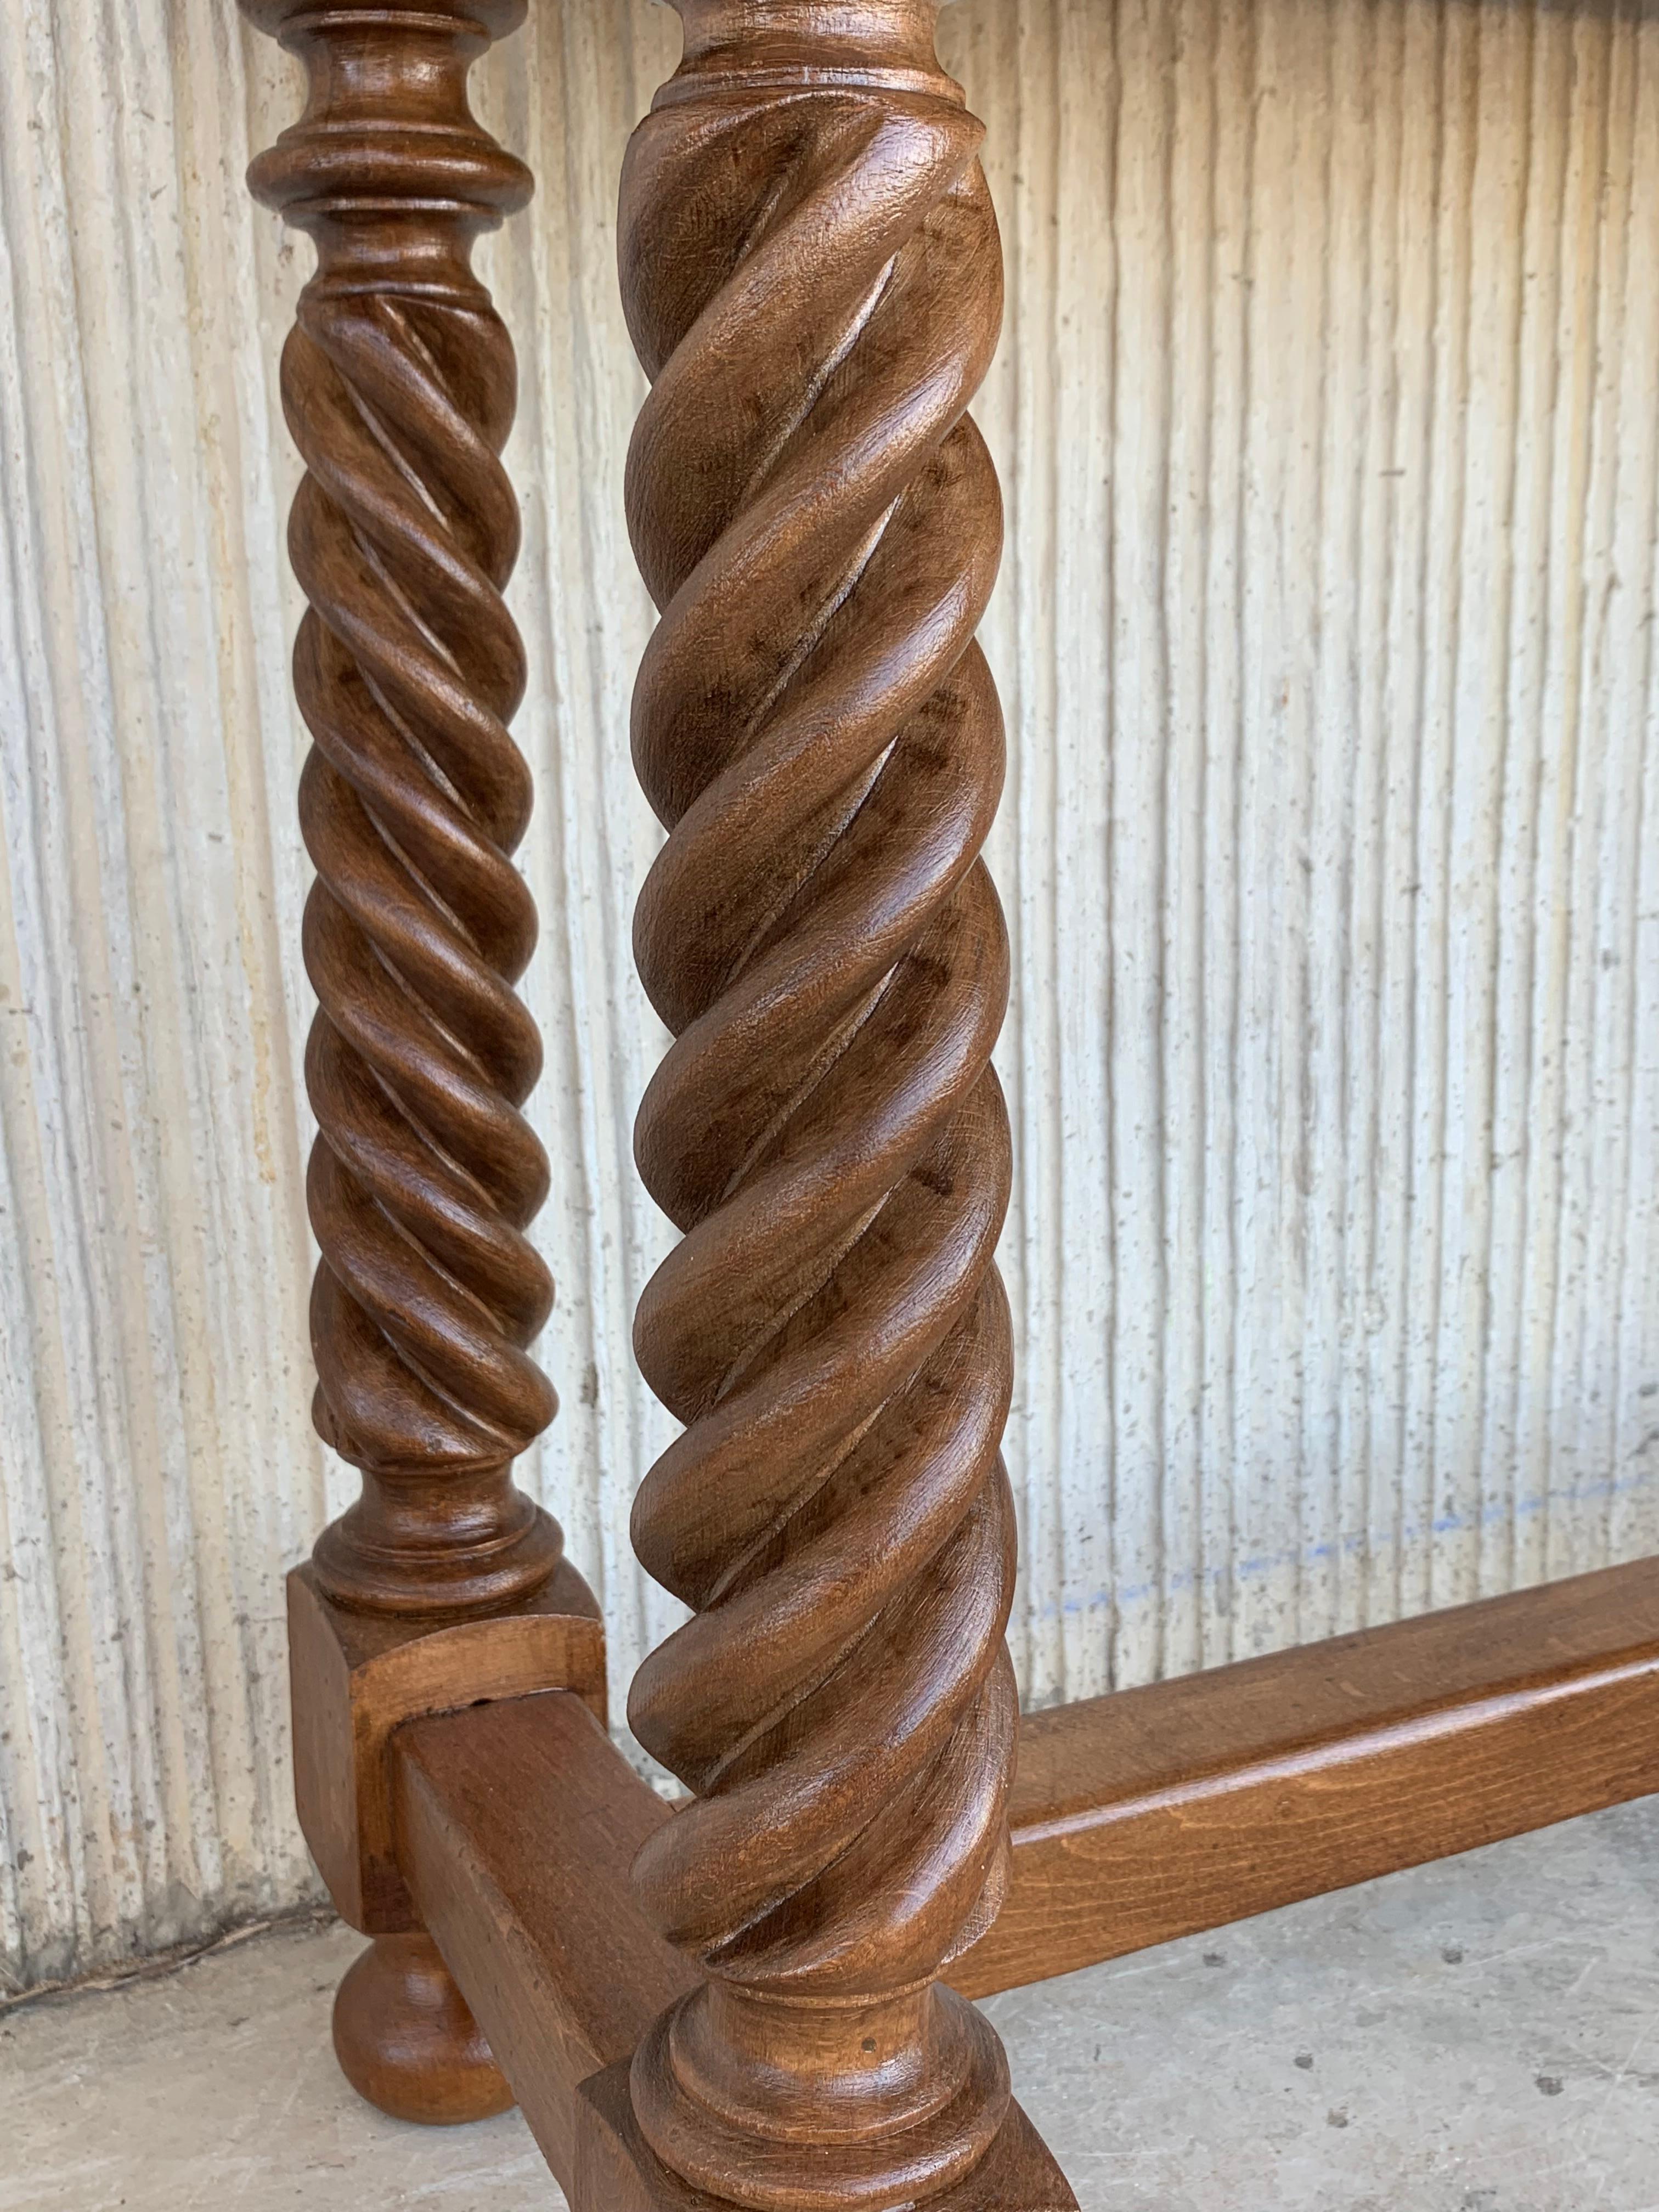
x=399 y=384
x=812 y=272
x=444 y=1584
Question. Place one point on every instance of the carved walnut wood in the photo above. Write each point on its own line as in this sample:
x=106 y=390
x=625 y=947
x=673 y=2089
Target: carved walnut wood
x=408 y=2043
x=399 y=385
x=812 y=277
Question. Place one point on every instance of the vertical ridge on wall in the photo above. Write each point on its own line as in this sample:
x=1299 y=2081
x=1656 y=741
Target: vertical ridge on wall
x=148 y=1126
x=1632 y=651
x=1330 y=850
x=1367 y=1160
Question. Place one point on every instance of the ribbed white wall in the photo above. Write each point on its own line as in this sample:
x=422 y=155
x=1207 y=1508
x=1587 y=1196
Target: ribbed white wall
x=1326 y=418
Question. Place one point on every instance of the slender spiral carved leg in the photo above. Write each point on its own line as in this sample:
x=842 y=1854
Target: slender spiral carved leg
x=812 y=277
x=399 y=384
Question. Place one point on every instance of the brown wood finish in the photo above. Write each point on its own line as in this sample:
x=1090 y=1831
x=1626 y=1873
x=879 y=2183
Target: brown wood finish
x=812 y=278
x=443 y=1584
x=618 y=2173
x=1157 y=1813
x=355 y=1677
x=1164 y=1811
x=406 y=2041
x=399 y=385
x=518 y=1823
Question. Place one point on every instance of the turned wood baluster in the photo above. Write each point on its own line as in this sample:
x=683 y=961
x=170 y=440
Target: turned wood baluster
x=812 y=272
x=399 y=384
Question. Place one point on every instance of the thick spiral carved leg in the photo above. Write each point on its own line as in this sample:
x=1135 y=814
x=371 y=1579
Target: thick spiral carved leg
x=813 y=278
x=399 y=385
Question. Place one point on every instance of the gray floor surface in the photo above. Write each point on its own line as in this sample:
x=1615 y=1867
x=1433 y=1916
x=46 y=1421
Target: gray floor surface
x=1480 y=2036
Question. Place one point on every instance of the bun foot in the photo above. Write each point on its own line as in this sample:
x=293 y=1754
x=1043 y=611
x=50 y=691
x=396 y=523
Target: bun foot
x=407 y=2042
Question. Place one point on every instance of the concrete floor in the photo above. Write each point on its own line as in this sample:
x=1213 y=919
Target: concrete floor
x=1482 y=2036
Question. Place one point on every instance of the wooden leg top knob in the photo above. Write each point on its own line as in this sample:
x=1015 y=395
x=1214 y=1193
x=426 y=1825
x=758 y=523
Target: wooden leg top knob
x=407 y=2042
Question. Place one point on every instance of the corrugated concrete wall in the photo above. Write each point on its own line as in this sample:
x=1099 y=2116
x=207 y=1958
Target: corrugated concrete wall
x=1326 y=418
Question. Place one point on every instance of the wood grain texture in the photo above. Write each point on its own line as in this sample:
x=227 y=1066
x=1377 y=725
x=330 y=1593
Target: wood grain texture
x=618 y=2173
x=518 y=1823
x=1186 y=1805
x=356 y=1678
x=399 y=386
x=1245 y=1414
x=813 y=282
x=406 y=2041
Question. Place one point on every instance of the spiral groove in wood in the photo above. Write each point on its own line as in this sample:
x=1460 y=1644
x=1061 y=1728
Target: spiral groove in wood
x=399 y=385
x=813 y=275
